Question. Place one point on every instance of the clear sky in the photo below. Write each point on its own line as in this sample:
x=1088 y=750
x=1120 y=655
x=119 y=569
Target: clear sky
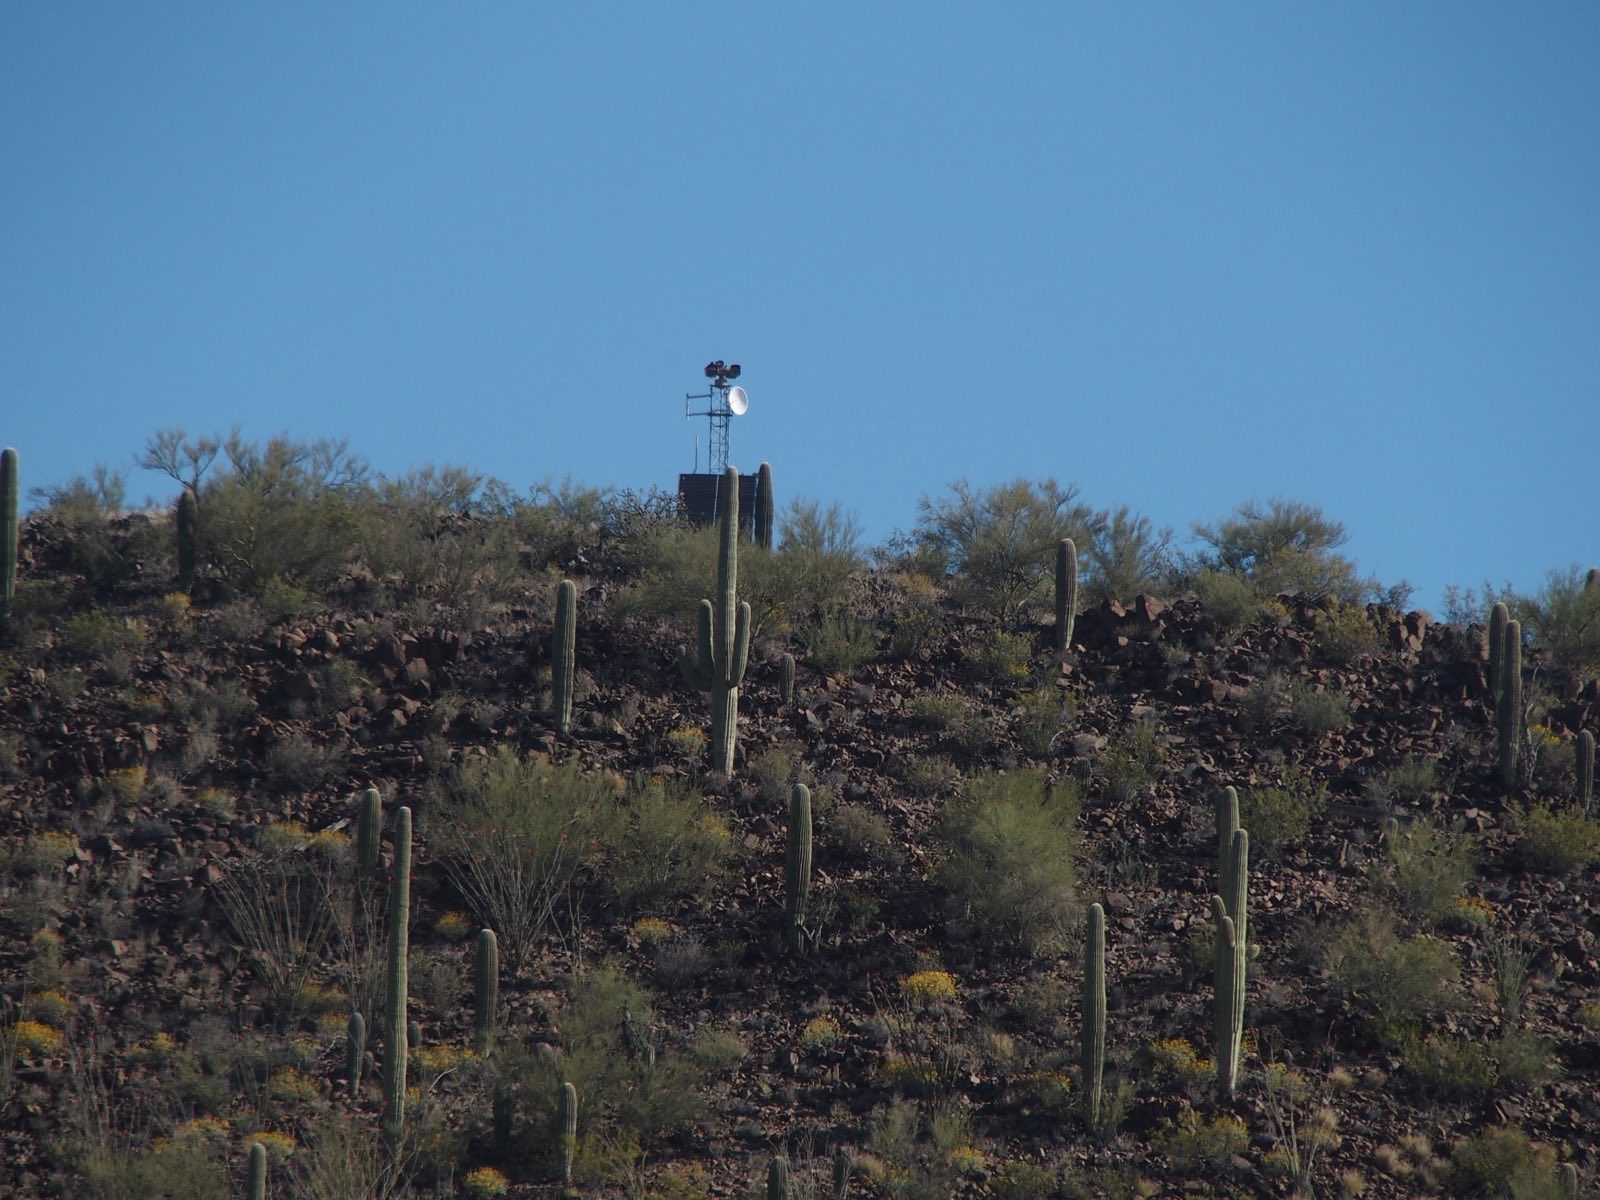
x=1182 y=255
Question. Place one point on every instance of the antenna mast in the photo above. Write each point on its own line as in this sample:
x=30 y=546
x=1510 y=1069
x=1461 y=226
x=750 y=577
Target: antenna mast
x=724 y=400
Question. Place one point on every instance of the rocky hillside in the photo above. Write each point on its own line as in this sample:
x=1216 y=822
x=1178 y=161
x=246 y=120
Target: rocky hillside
x=187 y=925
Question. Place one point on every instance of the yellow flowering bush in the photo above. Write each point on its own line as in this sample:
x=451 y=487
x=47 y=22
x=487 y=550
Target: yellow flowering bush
x=453 y=925
x=48 y=1007
x=821 y=1032
x=35 y=1037
x=926 y=987
x=650 y=931
x=287 y=1083
x=485 y=1182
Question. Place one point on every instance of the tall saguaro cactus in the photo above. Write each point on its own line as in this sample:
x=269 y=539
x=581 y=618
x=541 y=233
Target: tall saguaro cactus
x=188 y=531
x=778 y=1179
x=1510 y=705
x=797 y=868
x=1094 y=1012
x=1585 y=770
x=723 y=651
x=567 y=1116
x=369 y=822
x=395 y=1039
x=763 y=521
x=257 y=1171
x=486 y=989
x=8 y=528
x=1498 y=616
x=1230 y=912
x=563 y=652
x=1066 y=591
x=355 y=1050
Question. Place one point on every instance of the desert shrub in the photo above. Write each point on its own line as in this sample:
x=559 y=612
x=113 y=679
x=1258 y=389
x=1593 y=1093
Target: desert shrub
x=661 y=841
x=839 y=642
x=999 y=542
x=1501 y=1161
x=278 y=907
x=1344 y=633
x=1280 y=815
x=416 y=536
x=1524 y=1059
x=1039 y=718
x=1451 y=1068
x=930 y=775
x=999 y=657
x=1557 y=840
x=936 y=710
x=82 y=514
x=296 y=764
x=511 y=834
x=818 y=550
x=913 y=1153
x=1318 y=710
x=1125 y=556
x=1130 y=762
x=1011 y=842
x=1564 y=617
x=854 y=832
x=94 y=636
x=1284 y=546
x=1395 y=981
x=280 y=511
x=1194 y=1142
x=1407 y=782
x=1228 y=599
x=1425 y=867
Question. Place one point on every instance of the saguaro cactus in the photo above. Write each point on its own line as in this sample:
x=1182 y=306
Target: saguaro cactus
x=355 y=1051
x=1585 y=767
x=486 y=989
x=1066 y=591
x=797 y=868
x=1094 y=1012
x=8 y=528
x=1229 y=911
x=778 y=1178
x=369 y=823
x=394 y=1050
x=562 y=652
x=1227 y=822
x=724 y=642
x=763 y=521
x=1498 y=616
x=1510 y=710
x=187 y=524
x=786 y=678
x=567 y=1115
x=257 y=1171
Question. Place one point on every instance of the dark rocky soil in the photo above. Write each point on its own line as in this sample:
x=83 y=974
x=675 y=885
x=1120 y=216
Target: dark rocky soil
x=155 y=816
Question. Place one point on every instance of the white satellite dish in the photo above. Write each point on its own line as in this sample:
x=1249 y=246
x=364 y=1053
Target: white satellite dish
x=738 y=401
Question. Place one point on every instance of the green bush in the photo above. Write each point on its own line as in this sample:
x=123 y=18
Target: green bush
x=1278 y=816
x=95 y=636
x=1452 y=1068
x=1285 y=546
x=661 y=842
x=1039 y=719
x=999 y=657
x=1318 y=711
x=1564 y=617
x=1344 y=633
x=1125 y=556
x=839 y=643
x=1197 y=1143
x=1011 y=843
x=511 y=834
x=1557 y=840
x=1395 y=981
x=1425 y=868
x=1501 y=1161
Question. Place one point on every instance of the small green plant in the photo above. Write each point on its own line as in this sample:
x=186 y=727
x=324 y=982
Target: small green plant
x=662 y=841
x=1277 y=816
x=1194 y=1142
x=1501 y=1161
x=1394 y=980
x=1039 y=719
x=1425 y=867
x=1450 y=1068
x=1557 y=841
x=1318 y=711
x=1011 y=844
x=839 y=643
x=936 y=710
x=1344 y=633
x=999 y=657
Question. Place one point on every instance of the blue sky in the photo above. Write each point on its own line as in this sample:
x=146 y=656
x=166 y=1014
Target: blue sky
x=1182 y=255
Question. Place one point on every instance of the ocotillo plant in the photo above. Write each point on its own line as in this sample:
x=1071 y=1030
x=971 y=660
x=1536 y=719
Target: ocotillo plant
x=763 y=521
x=1585 y=768
x=1498 y=616
x=843 y=1167
x=1229 y=911
x=1094 y=1012
x=567 y=1116
x=562 y=652
x=257 y=1171
x=724 y=641
x=797 y=868
x=8 y=528
x=188 y=531
x=486 y=989
x=786 y=678
x=394 y=1050
x=778 y=1178
x=355 y=1051
x=1510 y=702
x=1066 y=591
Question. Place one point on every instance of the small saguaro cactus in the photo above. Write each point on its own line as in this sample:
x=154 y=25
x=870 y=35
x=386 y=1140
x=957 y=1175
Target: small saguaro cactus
x=563 y=653
x=567 y=1116
x=8 y=528
x=1229 y=911
x=1498 y=616
x=786 y=678
x=1094 y=1012
x=355 y=1051
x=486 y=989
x=187 y=525
x=797 y=869
x=1066 y=591
x=257 y=1171
x=395 y=1049
x=369 y=824
x=1585 y=768
x=1510 y=705
x=778 y=1178
x=723 y=651
x=763 y=515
